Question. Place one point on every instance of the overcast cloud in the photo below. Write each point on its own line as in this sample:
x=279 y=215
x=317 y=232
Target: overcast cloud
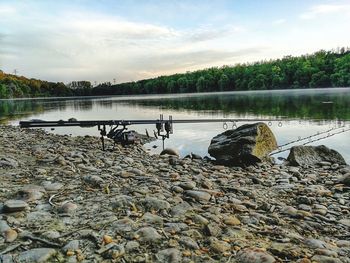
x=131 y=40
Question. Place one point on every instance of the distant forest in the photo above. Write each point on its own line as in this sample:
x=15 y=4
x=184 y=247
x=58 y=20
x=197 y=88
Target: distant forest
x=318 y=70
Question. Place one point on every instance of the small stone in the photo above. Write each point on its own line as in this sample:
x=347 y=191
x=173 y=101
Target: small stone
x=52 y=187
x=213 y=229
x=200 y=220
x=199 y=196
x=219 y=246
x=170 y=255
x=345 y=179
x=177 y=189
x=68 y=208
x=51 y=234
x=148 y=234
x=71 y=246
x=107 y=239
x=37 y=255
x=345 y=222
x=187 y=185
x=93 y=180
x=254 y=255
x=10 y=235
x=315 y=243
x=170 y=151
x=181 y=209
x=152 y=219
x=132 y=246
x=14 y=206
x=291 y=211
x=232 y=221
x=189 y=242
x=152 y=203
x=325 y=259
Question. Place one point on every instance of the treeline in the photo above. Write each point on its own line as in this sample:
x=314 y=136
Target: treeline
x=13 y=86
x=321 y=69
x=318 y=70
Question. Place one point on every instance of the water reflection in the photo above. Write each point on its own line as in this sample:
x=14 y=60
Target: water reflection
x=328 y=107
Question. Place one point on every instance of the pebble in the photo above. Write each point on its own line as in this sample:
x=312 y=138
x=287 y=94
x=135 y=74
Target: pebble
x=199 y=196
x=68 y=208
x=14 y=206
x=232 y=221
x=219 y=246
x=148 y=234
x=10 y=235
x=169 y=255
x=126 y=205
x=37 y=255
x=254 y=255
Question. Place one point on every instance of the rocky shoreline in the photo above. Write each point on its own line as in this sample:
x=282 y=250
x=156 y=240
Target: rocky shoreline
x=63 y=199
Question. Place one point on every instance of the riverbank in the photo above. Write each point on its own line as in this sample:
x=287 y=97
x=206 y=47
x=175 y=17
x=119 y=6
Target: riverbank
x=72 y=202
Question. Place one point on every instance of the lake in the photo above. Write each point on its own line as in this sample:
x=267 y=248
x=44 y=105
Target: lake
x=325 y=112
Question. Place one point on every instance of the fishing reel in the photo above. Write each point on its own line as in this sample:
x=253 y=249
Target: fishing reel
x=164 y=128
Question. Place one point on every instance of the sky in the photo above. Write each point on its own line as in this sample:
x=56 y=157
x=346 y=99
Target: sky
x=129 y=40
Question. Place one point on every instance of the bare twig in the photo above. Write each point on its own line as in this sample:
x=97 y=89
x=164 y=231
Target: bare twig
x=11 y=248
x=47 y=242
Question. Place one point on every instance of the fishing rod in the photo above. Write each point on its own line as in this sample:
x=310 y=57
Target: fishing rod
x=118 y=133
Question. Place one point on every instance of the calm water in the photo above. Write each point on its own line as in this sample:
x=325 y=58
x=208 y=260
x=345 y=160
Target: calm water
x=309 y=112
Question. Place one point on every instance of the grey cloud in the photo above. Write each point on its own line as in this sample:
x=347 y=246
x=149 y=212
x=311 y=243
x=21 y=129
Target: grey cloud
x=177 y=60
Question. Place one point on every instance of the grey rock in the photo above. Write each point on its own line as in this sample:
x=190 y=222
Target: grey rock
x=254 y=255
x=212 y=229
x=170 y=151
x=169 y=255
x=121 y=201
x=6 y=259
x=8 y=162
x=345 y=222
x=181 y=209
x=132 y=246
x=312 y=155
x=68 y=208
x=315 y=243
x=4 y=226
x=52 y=187
x=152 y=203
x=175 y=227
x=187 y=185
x=39 y=217
x=188 y=242
x=148 y=234
x=36 y=255
x=14 y=206
x=345 y=179
x=93 y=180
x=325 y=259
x=248 y=144
x=152 y=219
x=71 y=246
x=199 y=196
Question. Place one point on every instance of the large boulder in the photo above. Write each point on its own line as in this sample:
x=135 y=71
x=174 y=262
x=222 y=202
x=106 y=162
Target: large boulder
x=248 y=144
x=312 y=155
